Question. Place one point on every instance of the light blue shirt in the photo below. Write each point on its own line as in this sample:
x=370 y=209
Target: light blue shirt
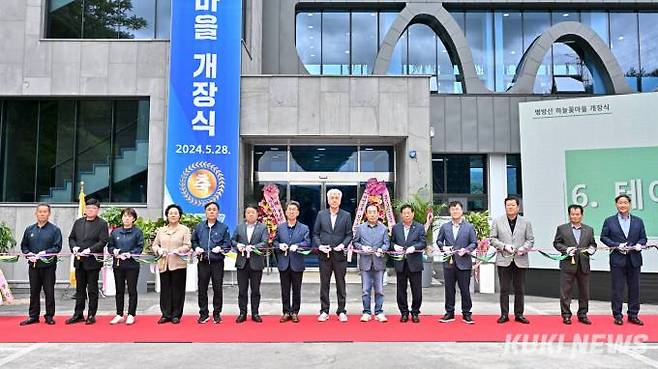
x=576 y=232
x=374 y=236
x=625 y=223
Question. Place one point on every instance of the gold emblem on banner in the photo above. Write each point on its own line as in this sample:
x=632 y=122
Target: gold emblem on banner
x=201 y=182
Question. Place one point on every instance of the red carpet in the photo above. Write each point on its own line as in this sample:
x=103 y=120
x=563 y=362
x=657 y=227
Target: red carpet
x=429 y=329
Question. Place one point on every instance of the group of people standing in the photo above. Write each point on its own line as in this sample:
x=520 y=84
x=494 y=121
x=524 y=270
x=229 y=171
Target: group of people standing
x=331 y=235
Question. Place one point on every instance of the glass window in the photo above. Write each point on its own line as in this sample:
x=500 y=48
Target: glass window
x=398 y=64
x=65 y=19
x=534 y=24
x=336 y=43
x=323 y=158
x=308 y=39
x=422 y=52
x=479 y=34
x=376 y=159
x=130 y=19
x=19 y=150
x=386 y=20
x=94 y=137
x=459 y=18
x=598 y=21
x=130 y=151
x=56 y=157
x=364 y=42
x=649 y=51
x=460 y=177
x=514 y=184
x=624 y=44
x=509 y=47
x=270 y=159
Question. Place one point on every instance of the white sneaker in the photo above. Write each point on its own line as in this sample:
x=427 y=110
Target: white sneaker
x=381 y=317
x=342 y=317
x=116 y=320
x=130 y=320
x=323 y=317
x=365 y=317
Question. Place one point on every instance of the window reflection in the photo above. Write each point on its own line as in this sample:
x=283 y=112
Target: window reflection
x=479 y=34
x=270 y=159
x=308 y=41
x=364 y=42
x=323 y=158
x=335 y=43
x=376 y=159
x=509 y=36
x=623 y=42
x=649 y=51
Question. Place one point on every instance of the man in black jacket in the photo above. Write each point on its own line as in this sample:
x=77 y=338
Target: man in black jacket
x=332 y=235
x=39 y=240
x=88 y=236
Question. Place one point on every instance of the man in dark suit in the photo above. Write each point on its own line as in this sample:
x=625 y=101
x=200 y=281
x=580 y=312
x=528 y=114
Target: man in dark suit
x=332 y=233
x=576 y=240
x=457 y=237
x=89 y=236
x=408 y=239
x=210 y=240
x=626 y=234
x=250 y=239
x=292 y=237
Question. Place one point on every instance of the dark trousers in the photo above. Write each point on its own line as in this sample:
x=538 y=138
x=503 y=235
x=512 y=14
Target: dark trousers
x=172 y=293
x=211 y=271
x=249 y=279
x=121 y=277
x=291 y=279
x=622 y=277
x=511 y=276
x=415 y=279
x=86 y=284
x=42 y=278
x=567 y=279
x=339 y=268
x=453 y=277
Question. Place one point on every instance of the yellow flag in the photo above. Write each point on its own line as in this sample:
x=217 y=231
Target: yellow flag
x=81 y=213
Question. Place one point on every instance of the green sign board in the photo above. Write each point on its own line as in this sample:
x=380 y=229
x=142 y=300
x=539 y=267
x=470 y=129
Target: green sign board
x=595 y=177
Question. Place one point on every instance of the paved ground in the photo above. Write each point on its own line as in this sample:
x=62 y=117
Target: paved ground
x=322 y=355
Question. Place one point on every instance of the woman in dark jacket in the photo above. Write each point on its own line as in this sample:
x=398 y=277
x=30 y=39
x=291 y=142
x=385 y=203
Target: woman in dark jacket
x=124 y=243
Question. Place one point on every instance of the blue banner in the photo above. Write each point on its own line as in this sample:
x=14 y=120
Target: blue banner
x=202 y=150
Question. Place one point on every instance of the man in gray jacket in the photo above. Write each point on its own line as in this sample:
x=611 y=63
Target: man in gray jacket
x=371 y=238
x=512 y=236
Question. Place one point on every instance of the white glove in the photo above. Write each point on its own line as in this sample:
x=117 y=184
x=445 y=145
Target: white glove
x=32 y=258
x=637 y=247
x=591 y=250
x=571 y=251
x=199 y=250
x=446 y=249
x=410 y=250
x=379 y=252
x=241 y=247
x=622 y=246
x=398 y=248
x=216 y=249
x=294 y=248
x=41 y=253
x=521 y=250
x=86 y=251
x=340 y=247
x=249 y=248
x=126 y=255
x=162 y=251
x=366 y=249
x=509 y=248
x=325 y=248
x=462 y=252
x=283 y=247
x=75 y=249
x=116 y=252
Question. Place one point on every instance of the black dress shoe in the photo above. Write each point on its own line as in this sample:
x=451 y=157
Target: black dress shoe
x=415 y=318
x=203 y=319
x=619 y=321
x=217 y=319
x=50 y=321
x=256 y=318
x=75 y=319
x=566 y=320
x=164 y=320
x=90 y=320
x=468 y=319
x=241 y=318
x=585 y=320
x=175 y=320
x=503 y=319
x=29 y=321
x=635 y=320
x=404 y=318
x=521 y=319
x=447 y=317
